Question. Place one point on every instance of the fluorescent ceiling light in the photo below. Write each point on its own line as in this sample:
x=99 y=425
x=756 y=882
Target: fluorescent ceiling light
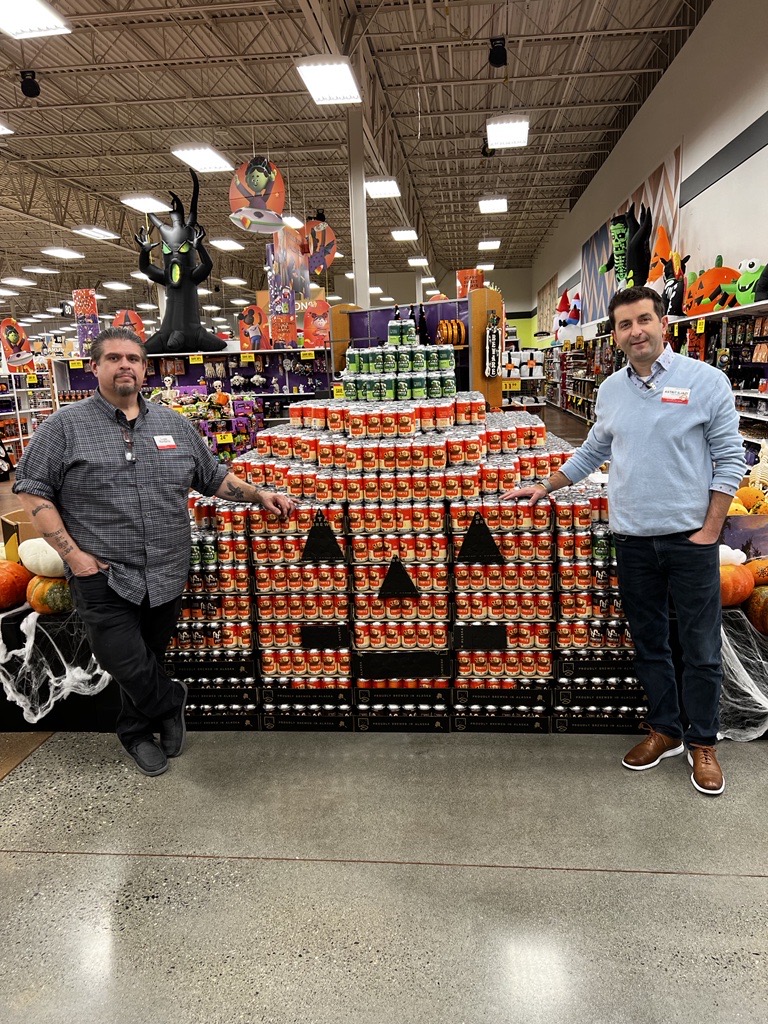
x=209 y=309
x=145 y=204
x=382 y=188
x=61 y=253
x=488 y=244
x=98 y=234
x=240 y=302
x=428 y=280
x=53 y=309
x=313 y=284
x=507 y=131
x=43 y=316
x=5 y=130
x=204 y=291
x=203 y=159
x=293 y=222
x=405 y=235
x=485 y=266
x=418 y=261
x=29 y=19
x=149 y=323
x=329 y=79
x=349 y=274
x=493 y=204
x=98 y=295
x=339 y=256
x=18 y=282
x=6 y=293
x=375 y=290
x=40 y=270
x=116 y=286
x=69 y=328
x=432 y=291
x=233 y=280
x=386 y=298
x=146 y=305
x=226 y=244
x=219 y=319
x=333 y=298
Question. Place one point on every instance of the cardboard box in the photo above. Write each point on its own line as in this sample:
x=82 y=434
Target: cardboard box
x=16 y=528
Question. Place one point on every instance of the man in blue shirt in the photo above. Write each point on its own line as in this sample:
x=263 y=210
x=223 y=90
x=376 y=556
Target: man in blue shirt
x=669 y=427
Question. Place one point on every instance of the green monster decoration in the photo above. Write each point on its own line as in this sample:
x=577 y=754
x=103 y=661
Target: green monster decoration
x=631 y=256
x=751 y=286
x=181 y=330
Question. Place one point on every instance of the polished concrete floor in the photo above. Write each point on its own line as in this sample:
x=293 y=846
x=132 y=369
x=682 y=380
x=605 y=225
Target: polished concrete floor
x=307 y=878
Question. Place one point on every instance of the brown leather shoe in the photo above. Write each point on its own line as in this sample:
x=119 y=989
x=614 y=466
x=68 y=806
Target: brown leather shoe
x=707 y=775
x=654 y=748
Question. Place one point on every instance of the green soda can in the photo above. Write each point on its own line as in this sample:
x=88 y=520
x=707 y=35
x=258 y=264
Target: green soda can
x=389 y=387
x=389 y=360
x=365 y=360
x=418 y=385
x=353 y=360
x=432 y=359
x=410 y=337
x=444 y=357
x=404 y=364
x=377 y=360
x=418 y=359
x=403 y=388
x=394 y=332
x=434 y=385
x=448 y=380
x=350 y=388
x=371 y=388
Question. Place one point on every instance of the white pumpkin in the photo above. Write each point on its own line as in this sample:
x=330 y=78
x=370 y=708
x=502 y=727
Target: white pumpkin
x=39 y=557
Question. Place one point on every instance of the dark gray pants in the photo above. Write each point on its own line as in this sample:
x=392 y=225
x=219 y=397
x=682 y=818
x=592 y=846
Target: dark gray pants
x=129 y=641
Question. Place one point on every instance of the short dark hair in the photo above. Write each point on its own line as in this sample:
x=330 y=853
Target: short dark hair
x=627 y=296
x=115 y=334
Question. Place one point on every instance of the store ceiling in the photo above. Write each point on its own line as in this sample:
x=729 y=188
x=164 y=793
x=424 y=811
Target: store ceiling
x=135 y=79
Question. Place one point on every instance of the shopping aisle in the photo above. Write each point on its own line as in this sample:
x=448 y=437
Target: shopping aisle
x=306 y=877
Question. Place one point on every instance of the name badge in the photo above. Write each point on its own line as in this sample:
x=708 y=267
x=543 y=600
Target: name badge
x=163 y=441
x=677 y=396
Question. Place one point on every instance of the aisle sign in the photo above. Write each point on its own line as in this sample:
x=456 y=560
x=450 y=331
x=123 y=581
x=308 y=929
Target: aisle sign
x=76 y=364
x=195 y=359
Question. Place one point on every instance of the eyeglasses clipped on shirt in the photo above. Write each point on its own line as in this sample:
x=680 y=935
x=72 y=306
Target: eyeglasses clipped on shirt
x=130 y=455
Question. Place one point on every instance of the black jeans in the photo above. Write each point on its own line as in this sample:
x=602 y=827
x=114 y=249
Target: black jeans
x=651 y=570
x=129 y=641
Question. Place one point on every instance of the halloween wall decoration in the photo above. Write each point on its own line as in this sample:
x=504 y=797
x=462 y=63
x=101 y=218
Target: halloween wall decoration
x=253 y=328
x=674 y=284
x=631 y=256
x=86 y=317
x=16 y=350
x=320 y=244
x=317 y=324
x=130 y=318
x=181 y=330
x=662 y=251
x=257 y=196
x=751 y=285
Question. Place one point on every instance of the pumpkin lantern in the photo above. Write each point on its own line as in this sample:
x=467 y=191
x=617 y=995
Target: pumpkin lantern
x=705 y=293
x=736 y=584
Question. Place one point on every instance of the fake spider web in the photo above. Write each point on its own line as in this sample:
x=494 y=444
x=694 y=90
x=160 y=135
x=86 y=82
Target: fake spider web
x=744 y=698
x=54 y=661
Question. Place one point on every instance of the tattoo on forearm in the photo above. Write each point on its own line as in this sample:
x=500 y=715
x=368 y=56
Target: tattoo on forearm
x=235 y=492
x=41 y=508
x=59 y=540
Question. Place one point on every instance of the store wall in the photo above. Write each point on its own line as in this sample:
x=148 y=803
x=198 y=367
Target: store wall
x=715 y=89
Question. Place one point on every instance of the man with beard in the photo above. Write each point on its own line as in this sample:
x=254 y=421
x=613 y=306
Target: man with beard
x=105 y=481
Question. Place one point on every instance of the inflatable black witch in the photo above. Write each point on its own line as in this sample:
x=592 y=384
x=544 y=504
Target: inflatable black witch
x=181 y=330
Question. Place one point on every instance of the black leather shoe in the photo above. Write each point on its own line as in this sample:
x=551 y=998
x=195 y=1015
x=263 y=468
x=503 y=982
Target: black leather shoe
x=173 y=730
x=149 y=757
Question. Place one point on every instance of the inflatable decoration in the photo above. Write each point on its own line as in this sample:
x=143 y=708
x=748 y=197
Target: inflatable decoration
x=751 y=286
x=705 y=294
x=631 y=256
x=130 y=318
x=181 y=330
x=257 y=196
x=320 y=240
x=662 y=251
x=674 y=284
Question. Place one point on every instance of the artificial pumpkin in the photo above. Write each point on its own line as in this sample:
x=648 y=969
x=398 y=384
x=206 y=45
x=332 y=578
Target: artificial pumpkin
x=736 y=584
x=13 y=584
x=50 y=595
x=756 y=609
x=705 y=292
x=759 y=569
x=40 y=558
x=737 y=509
x=749 y=496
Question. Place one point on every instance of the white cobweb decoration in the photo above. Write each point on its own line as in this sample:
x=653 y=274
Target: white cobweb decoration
x=54 y=661
x=744 y=698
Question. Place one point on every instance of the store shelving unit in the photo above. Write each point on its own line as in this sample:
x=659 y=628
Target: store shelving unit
x=26 y=400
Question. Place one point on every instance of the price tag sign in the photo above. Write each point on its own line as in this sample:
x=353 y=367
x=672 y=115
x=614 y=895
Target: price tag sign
x=675 y=328
x=247 y=357
x=31 y=378
x=699 y=326
x=195 y=359
x=307 y=354
x=225 y=438
x=338 y=390
x=76 y=364
x=514 y=384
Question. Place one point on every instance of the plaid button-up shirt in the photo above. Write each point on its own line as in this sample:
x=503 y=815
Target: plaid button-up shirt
x=122 y=491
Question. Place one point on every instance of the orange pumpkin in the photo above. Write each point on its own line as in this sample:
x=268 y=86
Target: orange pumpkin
x=759 y=569
x=49 y=595
x=756 y=609
x=13 y=584
x=736 y=584
x=750 y=496
x=704 y=292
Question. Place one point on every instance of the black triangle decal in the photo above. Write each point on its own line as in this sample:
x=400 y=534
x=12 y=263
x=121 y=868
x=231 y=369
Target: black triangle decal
x=397 y=582
x=479 y=545
x=321 y=545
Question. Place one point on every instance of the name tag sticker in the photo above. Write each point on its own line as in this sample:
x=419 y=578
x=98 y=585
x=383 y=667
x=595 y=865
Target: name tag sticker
x=163 y=441
x=677 y=396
